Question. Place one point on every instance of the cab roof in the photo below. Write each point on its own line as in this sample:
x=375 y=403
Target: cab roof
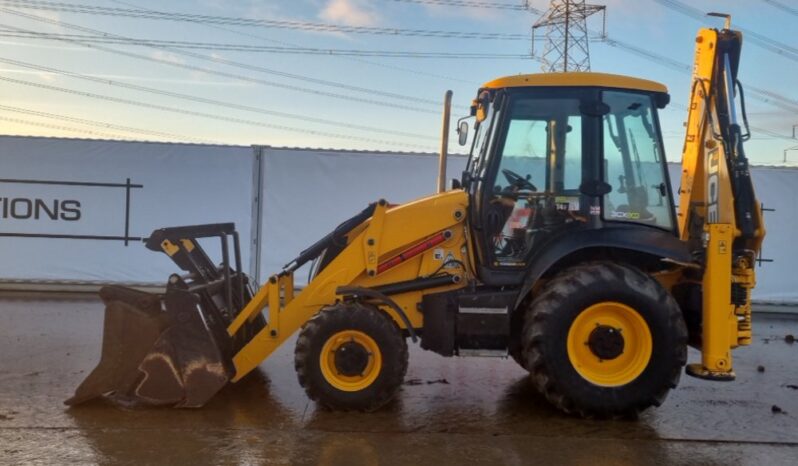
x=576 y=79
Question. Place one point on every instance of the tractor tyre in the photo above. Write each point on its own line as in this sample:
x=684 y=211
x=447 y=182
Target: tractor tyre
x=351 y=357
x=604 y=340
x=515 y=348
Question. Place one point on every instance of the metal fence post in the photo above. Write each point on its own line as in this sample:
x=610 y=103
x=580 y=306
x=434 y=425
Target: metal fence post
x=257 y=213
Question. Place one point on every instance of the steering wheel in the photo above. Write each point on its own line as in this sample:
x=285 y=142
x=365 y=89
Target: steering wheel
x=518 y=181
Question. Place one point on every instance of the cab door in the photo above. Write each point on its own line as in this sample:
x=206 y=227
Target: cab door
x=530 y=176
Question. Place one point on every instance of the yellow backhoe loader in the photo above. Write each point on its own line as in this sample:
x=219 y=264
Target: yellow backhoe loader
x=560 y=246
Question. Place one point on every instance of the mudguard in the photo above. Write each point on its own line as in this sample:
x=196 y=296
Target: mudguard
x=655 y=242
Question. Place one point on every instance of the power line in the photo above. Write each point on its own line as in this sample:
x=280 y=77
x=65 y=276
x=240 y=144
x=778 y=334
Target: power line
x=763 y=95
x=205 y=100
x=267 y=23
x=219 y=60
x=532 y=9
x=770 y=133
x=469 y=4
x=783 y=7
x=100 y=124
x=415 y=72
x=206 y=70
x=770 y=97
x=211 y=116
x=348 y=98
x=754 y=129
x=263 y=48
x=760 y=40
x=64 y=128
x=647 y=54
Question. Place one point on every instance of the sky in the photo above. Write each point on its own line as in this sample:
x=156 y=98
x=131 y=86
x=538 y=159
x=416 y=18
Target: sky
x=64 y=88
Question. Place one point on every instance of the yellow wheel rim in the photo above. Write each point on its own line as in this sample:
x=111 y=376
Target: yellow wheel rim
x=350 y=340
x=594 y=349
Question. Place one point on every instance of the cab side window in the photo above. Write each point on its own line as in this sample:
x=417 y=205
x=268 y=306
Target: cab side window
x=633 y=163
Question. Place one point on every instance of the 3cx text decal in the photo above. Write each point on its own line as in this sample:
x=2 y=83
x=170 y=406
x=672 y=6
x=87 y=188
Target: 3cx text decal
x=62 y=209
x=626 y=215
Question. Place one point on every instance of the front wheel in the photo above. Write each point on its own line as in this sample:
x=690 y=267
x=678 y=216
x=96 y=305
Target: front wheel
x=351 y=357
x=604 y=340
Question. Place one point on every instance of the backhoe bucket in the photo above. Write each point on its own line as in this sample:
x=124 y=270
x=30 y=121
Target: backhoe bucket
x=154 y=357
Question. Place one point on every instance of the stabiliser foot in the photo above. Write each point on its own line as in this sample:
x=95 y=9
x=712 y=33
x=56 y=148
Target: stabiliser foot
x=700 y=372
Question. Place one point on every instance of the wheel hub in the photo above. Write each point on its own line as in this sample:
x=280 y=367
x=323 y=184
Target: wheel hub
x=606 y=342
x=609 y=344
x=351 y=359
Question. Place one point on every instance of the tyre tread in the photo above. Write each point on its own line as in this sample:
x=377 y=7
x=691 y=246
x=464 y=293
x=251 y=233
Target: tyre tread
x=544 y=308
x=347 y=315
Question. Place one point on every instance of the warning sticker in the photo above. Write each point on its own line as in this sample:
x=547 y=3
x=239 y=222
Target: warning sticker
x=567 y=202
x=450 y=261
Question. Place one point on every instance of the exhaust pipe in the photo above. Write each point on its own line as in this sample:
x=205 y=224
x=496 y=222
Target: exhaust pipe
x=447 y=112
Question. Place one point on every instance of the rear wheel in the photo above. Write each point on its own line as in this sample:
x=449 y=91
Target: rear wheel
x=351 y=357
x=515 y=348
x=604 y=340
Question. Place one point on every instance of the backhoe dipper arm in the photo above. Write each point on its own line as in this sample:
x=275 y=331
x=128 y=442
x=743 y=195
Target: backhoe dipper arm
x=719 y=215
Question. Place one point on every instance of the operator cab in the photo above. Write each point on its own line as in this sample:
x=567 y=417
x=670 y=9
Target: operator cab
x=561 y=152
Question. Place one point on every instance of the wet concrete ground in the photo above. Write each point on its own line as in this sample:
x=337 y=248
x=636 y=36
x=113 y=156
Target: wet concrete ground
x=450 y=410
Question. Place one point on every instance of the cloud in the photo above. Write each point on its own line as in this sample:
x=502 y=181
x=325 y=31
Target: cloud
x=350 y=13
x=167 y=57
x=263 y=10
x=474 y=13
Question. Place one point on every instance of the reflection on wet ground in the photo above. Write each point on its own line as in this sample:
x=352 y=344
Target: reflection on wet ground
x=450 y=411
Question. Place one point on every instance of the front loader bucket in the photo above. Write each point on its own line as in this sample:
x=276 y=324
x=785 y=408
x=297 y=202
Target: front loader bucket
x=155 y=357
x=132 y=325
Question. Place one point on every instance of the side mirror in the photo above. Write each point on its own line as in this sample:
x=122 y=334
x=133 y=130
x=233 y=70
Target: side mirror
x=454 y=183
x=482 y=104
x=462 y=133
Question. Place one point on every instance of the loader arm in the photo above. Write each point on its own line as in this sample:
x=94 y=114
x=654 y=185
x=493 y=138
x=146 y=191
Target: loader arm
x=719 y=215
x=368 y=261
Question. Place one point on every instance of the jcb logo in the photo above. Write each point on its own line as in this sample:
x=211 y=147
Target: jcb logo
x=713 y=212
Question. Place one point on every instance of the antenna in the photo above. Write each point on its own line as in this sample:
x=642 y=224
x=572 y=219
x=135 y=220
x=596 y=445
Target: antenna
x=567 y=47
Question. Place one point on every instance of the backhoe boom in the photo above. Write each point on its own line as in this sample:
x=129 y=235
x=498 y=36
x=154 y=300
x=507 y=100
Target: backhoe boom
x=719 y=216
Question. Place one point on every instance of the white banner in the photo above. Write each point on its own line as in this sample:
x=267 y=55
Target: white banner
x=67 y=206
x=777 y=189
x=309 y=192
x=306 y=193
x=75 y=210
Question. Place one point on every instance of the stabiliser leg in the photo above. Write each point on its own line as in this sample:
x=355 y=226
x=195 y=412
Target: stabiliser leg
x=719 y=319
